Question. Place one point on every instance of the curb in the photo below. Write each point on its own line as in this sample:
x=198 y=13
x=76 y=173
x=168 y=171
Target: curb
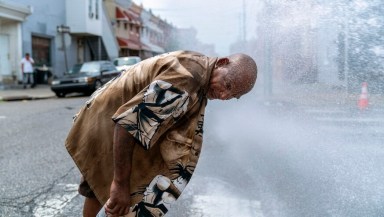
x=23 y=97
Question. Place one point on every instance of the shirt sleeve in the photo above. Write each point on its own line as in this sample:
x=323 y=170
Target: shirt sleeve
x=148 y=115
x=165 y=99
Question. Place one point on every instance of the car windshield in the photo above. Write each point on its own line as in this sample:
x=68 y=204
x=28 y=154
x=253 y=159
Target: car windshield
x=125 y=61
x=89 y=68
x=75 y=69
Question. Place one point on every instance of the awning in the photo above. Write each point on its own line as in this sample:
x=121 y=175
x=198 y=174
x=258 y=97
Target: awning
x=132 y=17
x=152 y=47
x=122 y=14
x=127 y=43
x=145 y=47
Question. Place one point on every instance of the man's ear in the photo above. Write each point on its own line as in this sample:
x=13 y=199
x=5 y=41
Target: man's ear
x=222 y=62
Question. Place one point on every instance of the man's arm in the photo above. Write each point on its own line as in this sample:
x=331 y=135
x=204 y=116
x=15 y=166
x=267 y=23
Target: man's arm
x=119 y=201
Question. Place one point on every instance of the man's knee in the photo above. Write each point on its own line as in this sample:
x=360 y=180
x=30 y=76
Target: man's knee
x=91 y=207
x=85 y=189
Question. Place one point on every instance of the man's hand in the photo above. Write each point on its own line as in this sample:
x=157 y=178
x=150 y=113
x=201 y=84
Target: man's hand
x=119 y=201
x=119 y=198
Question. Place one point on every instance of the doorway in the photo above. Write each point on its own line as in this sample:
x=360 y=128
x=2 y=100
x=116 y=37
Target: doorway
x=5 y=68
x=41 y=53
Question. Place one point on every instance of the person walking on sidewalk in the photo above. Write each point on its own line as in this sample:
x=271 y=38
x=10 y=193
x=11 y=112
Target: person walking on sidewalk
x=27 y=70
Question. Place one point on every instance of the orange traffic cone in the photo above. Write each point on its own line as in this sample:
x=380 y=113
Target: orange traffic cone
x=363 y=99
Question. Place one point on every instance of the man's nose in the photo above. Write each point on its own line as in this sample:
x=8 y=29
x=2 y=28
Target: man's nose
x=225 y=96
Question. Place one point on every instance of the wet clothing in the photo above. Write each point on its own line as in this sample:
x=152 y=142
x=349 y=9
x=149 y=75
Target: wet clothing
x=161 y=102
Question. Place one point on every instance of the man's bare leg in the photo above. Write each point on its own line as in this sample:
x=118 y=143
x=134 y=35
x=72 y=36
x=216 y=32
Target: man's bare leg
x=91 y=207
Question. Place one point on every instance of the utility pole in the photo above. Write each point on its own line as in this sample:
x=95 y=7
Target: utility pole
x=268 y=34
x=346 y=50
x=64 y=29
x=244 y=22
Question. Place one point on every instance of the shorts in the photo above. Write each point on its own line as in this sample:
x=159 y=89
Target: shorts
x=85 y=190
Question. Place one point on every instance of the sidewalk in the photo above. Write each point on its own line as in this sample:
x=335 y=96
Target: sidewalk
x=16 y=92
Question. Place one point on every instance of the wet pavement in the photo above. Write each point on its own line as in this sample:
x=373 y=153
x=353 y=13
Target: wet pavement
x=296 y=153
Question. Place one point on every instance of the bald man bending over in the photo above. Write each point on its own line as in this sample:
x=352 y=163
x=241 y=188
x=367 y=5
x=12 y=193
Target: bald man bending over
x=138 y=138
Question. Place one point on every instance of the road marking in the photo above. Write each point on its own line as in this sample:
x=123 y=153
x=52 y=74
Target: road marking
x=3 y=117
x=51 y=205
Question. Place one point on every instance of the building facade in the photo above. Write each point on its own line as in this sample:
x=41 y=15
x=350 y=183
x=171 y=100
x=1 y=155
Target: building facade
x=151 y=35
x=12 y=16
x=59 y=34
x=56 y=33
x=126 y=25
x=138 y=31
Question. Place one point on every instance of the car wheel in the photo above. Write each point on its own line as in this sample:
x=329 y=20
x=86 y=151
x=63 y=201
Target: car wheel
x=60 y=94
x=98 y=84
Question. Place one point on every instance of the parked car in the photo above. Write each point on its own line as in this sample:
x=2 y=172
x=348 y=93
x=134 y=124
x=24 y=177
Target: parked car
x=122 y=63
x=84 y=78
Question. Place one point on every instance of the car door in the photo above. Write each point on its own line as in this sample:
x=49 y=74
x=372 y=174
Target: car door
x=113 y=70
x=109 y=71
x=105 y=75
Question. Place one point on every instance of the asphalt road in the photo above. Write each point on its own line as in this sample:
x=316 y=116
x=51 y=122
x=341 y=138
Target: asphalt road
x=36 y=171
x=258 y=159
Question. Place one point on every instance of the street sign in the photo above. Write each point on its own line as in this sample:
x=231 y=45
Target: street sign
x=63 y=29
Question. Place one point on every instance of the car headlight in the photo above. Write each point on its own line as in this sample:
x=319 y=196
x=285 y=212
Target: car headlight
x=55 y=82
x=83 y=80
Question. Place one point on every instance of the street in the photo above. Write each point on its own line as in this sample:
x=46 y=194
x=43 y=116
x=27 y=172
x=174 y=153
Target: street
x=260 y=159
x=37 y=175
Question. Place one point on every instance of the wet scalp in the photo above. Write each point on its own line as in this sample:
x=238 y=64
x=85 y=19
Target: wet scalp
x=243 y=71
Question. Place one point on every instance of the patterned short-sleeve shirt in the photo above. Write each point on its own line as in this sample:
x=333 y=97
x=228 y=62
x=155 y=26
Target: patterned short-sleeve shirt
x=161 y=102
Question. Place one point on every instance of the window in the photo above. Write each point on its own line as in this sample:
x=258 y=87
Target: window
x=97 y=9
x=111 y=67
x=90 y=13
x=41 y=51
x=90 y=68
x=103 y=67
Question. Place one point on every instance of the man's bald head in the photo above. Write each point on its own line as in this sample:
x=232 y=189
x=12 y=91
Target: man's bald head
x=232 y=77
x=242 y=72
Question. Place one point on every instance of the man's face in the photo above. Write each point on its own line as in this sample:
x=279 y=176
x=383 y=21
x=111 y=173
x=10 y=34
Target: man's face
x=221 y=86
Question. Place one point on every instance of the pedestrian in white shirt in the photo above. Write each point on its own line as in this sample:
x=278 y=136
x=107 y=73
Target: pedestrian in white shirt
x=27 y=70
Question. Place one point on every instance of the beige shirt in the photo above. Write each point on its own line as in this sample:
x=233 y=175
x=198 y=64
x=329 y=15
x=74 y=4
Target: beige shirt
x=161 y=102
